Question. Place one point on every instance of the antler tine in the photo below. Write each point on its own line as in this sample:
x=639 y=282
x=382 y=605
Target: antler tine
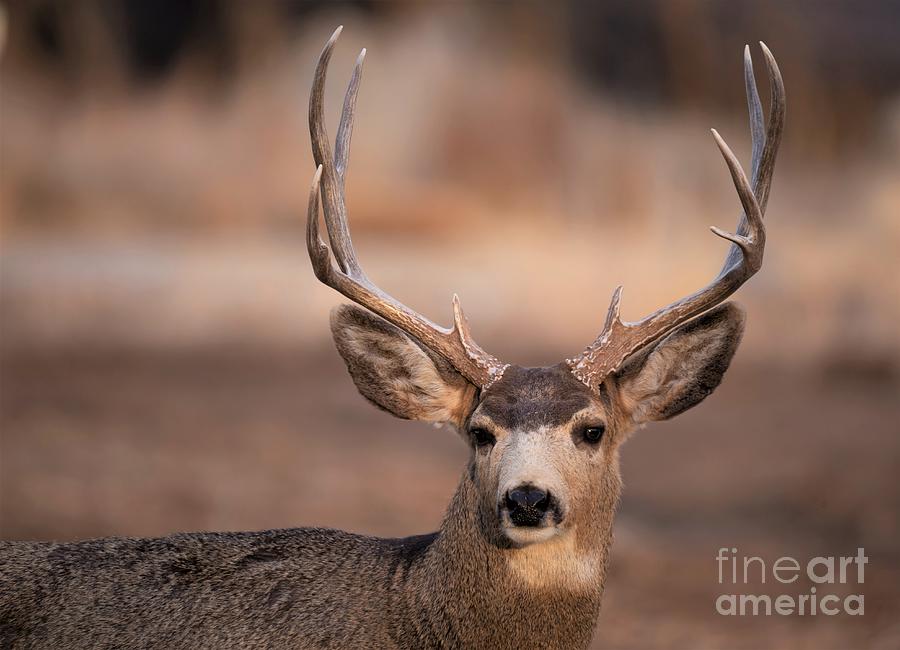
x=775 y=129
x=347 y=276
x=765 y=145
x=332 y=188
x=345 y=129
x=318 y=251
x=757 y=121
x=752 y=243
x=618 y=339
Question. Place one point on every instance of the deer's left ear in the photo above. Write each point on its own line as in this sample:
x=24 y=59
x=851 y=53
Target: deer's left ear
x=683 y=368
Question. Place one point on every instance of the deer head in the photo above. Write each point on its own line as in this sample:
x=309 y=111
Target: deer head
x=544 y=441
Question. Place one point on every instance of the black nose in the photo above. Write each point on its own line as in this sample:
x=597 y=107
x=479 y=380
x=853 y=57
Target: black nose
x=527 y=505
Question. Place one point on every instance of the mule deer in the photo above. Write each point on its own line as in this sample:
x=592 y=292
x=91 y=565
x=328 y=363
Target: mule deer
x=521 y=556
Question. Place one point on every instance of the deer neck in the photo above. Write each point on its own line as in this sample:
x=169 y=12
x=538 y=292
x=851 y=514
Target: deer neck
x=545 y=595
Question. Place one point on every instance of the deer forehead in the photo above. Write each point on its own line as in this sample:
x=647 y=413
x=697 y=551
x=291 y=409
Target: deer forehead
x=534 y=398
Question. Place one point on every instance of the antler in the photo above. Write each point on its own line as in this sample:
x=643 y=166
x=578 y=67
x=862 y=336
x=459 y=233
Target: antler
x=618 y=339
x=455 y=345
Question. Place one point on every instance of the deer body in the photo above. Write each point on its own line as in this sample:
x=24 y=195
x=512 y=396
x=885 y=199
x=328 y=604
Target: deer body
x=520 y=560
x=297 y=588
x=310 y=588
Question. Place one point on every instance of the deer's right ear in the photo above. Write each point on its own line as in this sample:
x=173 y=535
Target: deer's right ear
x=395 y=373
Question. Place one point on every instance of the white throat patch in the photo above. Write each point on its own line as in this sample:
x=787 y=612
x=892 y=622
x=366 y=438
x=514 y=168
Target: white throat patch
x=555 y=564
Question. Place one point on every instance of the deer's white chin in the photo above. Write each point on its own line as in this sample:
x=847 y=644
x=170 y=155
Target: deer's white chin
x=525 y=536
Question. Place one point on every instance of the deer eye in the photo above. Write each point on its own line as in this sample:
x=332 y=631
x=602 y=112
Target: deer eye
x=482 y=437
x=593 y=434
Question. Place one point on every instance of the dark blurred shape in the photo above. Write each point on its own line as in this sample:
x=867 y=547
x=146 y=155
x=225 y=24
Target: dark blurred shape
x=153 y=36
x=156 y=33
x=602 y=34
x=843 y=55
x=45 y=24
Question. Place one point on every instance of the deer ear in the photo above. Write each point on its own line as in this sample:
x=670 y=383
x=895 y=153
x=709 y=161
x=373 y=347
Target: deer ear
x=395 y=373
x=683 y=368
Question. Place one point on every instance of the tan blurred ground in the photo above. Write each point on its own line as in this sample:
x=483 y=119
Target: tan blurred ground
x=165 y=355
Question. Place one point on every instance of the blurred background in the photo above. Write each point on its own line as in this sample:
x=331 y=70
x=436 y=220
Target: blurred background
x=165 y=356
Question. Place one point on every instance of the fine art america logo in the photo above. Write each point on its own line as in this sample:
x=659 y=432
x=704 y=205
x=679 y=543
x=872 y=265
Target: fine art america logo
x=834 y=585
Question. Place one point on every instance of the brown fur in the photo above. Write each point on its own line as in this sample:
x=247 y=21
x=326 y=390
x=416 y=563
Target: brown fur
x=535 y=396
x=470 y=585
